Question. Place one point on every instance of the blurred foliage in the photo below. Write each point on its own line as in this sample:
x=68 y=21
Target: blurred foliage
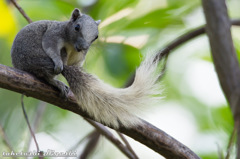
x=129 y=30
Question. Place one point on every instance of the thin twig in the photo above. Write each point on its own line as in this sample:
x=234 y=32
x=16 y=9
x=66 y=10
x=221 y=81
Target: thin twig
x=21 y=11
x=30 y=128
x=111 y=138
x=186 y=37
x=127 y=144
x=38 y=116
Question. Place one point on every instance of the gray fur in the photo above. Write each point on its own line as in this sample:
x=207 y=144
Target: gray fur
x=42 y=47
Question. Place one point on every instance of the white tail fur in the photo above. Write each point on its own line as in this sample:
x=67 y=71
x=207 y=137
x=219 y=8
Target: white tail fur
x=114 y=106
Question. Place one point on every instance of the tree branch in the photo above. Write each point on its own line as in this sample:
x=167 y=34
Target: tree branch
x=36 y=121
x=22 y=82
x=91 y=145
x=28 y=124
x=127 y=144
x=188 y=36
x=224 y=55
x=21 y=11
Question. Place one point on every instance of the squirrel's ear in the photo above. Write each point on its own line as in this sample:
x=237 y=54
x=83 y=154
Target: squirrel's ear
x=76 y=14
x=98 y=22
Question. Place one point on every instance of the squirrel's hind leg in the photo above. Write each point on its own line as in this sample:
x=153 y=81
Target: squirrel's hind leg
x=44 y=68
x=46 y=74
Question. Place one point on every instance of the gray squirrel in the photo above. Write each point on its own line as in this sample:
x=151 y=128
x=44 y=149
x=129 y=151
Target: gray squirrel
x=48 y=48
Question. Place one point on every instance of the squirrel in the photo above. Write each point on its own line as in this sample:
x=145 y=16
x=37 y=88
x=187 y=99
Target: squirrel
x=48 y=48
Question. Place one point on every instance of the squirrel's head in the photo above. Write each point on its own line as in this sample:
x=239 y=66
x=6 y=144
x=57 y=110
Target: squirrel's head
x=82 y=30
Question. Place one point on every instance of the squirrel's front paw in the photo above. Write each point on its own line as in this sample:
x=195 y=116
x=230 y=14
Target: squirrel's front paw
x=58 y=68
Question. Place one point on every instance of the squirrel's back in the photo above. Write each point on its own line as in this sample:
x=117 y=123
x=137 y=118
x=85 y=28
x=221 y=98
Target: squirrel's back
x=27 y=47
x=28 y=44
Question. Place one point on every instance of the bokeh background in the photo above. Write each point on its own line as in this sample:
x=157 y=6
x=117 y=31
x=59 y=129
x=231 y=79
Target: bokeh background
x=193 y=110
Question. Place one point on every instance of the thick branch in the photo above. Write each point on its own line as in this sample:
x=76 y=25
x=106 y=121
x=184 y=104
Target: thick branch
x=224 y=55
x=22 y=82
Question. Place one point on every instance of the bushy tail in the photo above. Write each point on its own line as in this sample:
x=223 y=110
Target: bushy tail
x=115 y=106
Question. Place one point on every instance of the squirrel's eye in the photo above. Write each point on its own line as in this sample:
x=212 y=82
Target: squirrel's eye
x=77 y=27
